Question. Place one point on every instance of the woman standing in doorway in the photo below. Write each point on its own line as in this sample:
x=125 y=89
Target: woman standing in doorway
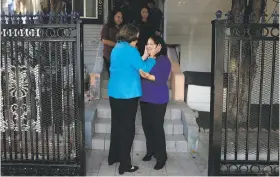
x=154 y=102
x=124 y=90
x=109 y=35
x=145 y=27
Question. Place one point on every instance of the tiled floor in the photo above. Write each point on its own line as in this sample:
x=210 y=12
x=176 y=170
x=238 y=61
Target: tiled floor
x=178 y=164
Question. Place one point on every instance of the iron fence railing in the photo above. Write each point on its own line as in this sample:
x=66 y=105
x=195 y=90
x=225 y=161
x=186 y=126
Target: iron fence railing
x=244 y=130
x=41 y=95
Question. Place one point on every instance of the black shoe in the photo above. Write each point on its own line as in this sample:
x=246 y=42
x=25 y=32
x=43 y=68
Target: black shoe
x=159 y=165
x=147 y=157
x=131 y=169
x=112 y=162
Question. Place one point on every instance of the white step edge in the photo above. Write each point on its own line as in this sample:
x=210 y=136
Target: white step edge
x=174 y=143
x=171 y=127
x=173 y=111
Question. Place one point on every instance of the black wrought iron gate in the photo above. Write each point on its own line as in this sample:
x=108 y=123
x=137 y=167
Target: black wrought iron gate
x=41 y=95
x=244 y=133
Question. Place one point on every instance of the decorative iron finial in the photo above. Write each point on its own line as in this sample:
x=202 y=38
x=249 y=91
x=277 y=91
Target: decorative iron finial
x=61 y=17
x=31 y=18
x=37 y=15
x=263 y=17
x=9 y=18
x=275 y=16
x=15 y=19
x=218 y=14
x=78 y=15
x=78 y=18
x=252 y=18
x=55 y=17
x=20 y=21
x=27 y=14
x=228 y=16
x=239 y=17
x=72 y=17
x=43 y=17
x=50 y=15
x=3 y=18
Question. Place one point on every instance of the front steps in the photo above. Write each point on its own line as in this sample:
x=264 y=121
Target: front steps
x=171 y=127
x=174 y=129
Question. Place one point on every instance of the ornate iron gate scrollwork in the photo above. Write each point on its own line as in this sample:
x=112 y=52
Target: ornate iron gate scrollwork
x=41 y=95
x=244 y=132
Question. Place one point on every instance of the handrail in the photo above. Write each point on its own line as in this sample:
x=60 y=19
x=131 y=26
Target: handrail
x=177 y=78
x=174 y=46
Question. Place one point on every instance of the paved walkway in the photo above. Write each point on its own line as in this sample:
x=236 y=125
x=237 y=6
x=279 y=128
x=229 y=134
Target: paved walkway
x=178 y=164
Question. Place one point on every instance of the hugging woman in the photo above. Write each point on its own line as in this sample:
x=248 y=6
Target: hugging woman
x=154 y=102
x=124 y=90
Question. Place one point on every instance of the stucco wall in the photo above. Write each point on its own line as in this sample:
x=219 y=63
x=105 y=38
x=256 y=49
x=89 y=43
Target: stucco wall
x=188 y=23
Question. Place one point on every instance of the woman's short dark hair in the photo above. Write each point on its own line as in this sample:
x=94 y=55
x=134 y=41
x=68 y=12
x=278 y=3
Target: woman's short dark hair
x=111 y=20
x=128 y=33
x=159 y=40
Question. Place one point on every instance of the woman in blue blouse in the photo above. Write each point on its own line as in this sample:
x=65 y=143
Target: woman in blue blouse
x=154 y=102
x=124 y=90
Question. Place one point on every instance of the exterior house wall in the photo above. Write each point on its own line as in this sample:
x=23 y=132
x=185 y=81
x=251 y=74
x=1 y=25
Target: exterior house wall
x=188 y=23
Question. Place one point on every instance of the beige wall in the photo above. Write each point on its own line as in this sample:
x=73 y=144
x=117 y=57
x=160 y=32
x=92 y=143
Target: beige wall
x=188 y=22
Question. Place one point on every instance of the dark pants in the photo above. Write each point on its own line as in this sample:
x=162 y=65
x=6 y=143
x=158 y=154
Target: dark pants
x=123 y=113
x=107 y=65
x=152 y=122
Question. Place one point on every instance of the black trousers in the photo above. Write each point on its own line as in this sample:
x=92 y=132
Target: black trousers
x=107 y=65
x=123 y=113
x=152 y=122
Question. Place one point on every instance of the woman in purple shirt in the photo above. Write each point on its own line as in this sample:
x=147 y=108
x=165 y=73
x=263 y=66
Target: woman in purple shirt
x=154 y=102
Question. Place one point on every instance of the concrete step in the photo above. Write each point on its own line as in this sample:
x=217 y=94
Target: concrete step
x=104 y=93
x=173 y=111
x=105 y=84
x=171 y=127
x=174 y=143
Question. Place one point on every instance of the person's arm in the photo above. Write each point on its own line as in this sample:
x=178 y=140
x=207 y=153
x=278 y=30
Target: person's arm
x=145 y=56
x=138 y=63
x=108 y=42
x=105 y=37
x=161 y=72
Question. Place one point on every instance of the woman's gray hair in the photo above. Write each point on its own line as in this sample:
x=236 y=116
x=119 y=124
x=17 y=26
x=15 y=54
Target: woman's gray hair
x=128 y=33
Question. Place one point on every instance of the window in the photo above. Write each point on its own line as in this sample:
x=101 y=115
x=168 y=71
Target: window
x=87 y=8
x=91 y=11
